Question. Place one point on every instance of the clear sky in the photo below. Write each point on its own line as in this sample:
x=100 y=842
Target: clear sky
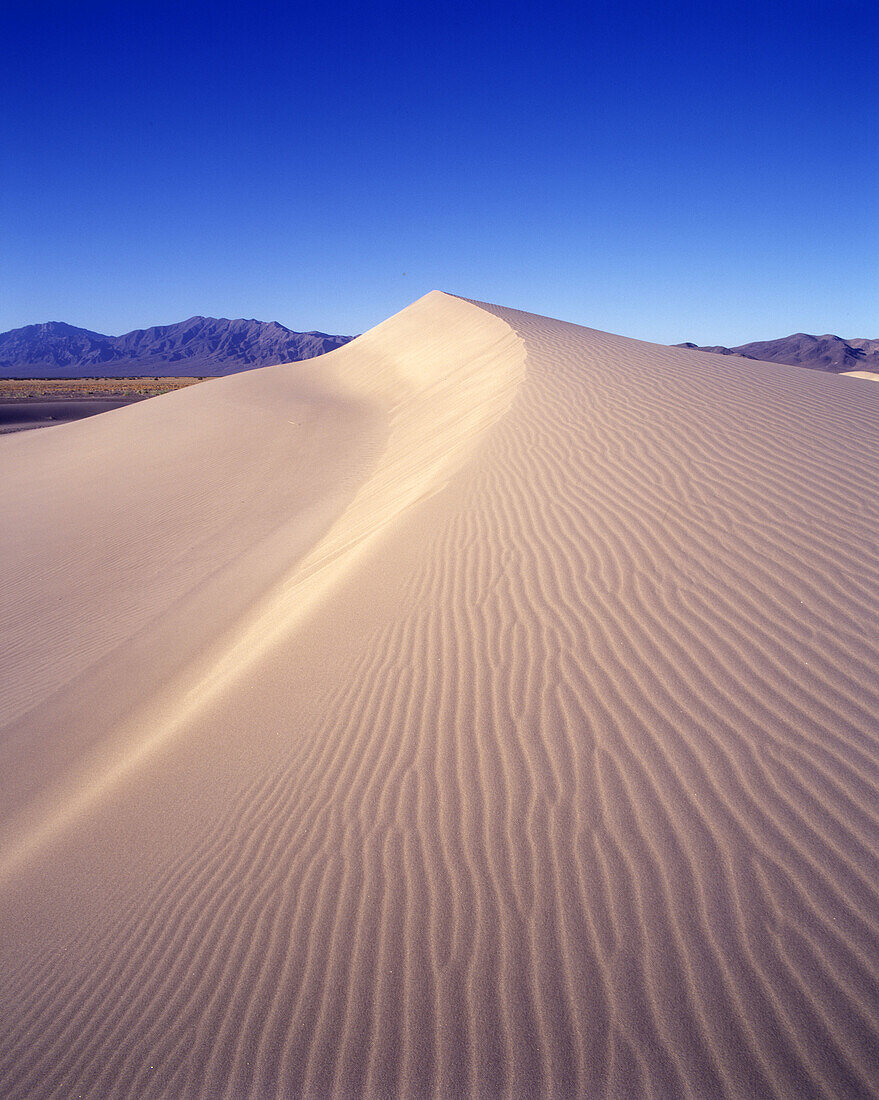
x=705 y=171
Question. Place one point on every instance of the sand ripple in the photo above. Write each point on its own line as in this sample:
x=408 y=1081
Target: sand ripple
x=546 y=765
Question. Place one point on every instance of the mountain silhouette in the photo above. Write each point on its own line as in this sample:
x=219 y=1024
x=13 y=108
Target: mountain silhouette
x=197 y=346
x=827 y=353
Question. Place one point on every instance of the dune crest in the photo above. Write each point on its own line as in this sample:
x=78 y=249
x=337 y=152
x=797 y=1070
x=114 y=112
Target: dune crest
x=430 y=407
x=488 y=708
x=871 y=374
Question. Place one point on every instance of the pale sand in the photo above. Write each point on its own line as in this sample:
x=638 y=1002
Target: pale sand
x=872 y=375
x=486 y=708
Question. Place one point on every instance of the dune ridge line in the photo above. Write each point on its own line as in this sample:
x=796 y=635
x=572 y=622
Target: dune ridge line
x=432 y=400
x=540 y=755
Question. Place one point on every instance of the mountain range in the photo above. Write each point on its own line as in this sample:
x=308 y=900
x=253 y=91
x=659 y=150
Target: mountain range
x=196 y=347
x=217 y=346
x=827 y=353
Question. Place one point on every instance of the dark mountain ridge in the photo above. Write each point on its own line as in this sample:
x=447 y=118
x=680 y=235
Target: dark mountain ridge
x=197 y=346
x=827 y=352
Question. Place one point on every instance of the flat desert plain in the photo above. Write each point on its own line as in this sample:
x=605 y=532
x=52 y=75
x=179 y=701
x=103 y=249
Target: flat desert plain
x=487 y=708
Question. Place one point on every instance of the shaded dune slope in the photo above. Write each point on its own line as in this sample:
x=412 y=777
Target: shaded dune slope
x=511 y=729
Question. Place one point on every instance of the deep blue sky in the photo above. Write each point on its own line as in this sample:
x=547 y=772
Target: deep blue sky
x=668 y=171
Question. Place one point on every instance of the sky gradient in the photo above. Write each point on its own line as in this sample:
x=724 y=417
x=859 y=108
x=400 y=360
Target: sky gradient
x=671 y=172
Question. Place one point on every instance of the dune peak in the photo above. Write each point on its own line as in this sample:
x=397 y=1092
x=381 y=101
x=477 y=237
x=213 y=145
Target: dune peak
x=487 y=707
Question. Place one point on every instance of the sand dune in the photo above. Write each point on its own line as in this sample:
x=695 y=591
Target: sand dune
x=488 y=708
x=872 y=375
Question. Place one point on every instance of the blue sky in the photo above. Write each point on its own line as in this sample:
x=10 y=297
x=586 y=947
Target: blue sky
x=668 y=171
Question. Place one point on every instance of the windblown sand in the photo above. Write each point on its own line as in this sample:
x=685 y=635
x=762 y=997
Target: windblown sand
x=486 y=708
x=872 y=375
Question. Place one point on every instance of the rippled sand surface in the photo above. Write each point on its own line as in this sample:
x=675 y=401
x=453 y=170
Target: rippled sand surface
x=486 y=708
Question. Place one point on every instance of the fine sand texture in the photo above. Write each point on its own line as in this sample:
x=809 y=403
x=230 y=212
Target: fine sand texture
x=872 y=375
x=487 y=708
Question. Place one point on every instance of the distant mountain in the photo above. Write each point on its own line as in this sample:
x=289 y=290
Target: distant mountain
x=199 y=346
x=828 y=353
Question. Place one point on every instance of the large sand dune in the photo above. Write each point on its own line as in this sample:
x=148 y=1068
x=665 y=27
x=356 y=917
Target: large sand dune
x=487 y=708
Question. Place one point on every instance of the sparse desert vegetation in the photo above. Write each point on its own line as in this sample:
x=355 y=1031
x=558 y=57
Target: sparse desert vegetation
x=30 y=389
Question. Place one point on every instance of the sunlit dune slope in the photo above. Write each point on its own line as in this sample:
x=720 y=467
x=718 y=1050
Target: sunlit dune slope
x=872 y=375
x=486 y=708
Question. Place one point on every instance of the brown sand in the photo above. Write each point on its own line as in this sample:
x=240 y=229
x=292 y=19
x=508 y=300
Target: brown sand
x=487 y=708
